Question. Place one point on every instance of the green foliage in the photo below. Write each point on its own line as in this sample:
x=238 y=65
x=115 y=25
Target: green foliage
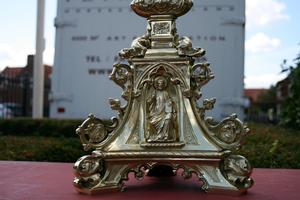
x=291 y=107
x=267 y=147
x=272 y=146
x=38 y=148
x=41 y=127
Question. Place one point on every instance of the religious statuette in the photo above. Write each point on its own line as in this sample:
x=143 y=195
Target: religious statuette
x=162 y=123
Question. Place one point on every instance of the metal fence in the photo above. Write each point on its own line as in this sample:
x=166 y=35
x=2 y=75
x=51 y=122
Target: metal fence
x=16 y=95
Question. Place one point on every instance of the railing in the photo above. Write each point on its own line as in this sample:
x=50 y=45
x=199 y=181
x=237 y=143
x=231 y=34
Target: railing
x=16 y=95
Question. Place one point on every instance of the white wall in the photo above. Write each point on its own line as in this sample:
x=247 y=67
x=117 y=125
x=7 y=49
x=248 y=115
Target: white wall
x=98 y=29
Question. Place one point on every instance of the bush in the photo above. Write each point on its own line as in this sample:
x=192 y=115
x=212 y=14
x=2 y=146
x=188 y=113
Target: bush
x=272 y=146
x=39 y=127
x=37 y=148
x=267 y=147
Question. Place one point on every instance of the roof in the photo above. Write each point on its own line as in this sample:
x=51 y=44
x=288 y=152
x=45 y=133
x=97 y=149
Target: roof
x=12 y=71
x=253 y=94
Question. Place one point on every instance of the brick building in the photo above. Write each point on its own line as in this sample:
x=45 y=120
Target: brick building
x=16 y=88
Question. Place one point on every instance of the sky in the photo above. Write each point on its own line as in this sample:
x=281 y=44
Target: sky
x=272 y=35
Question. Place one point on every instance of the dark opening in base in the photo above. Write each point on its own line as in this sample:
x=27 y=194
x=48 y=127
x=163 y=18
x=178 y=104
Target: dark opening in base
x=161 y=171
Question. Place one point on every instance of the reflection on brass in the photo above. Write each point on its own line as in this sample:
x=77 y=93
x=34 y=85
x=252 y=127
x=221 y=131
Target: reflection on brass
x=162 y=123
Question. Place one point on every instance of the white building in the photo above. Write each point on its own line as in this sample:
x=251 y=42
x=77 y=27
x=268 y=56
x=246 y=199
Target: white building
x=90 y=33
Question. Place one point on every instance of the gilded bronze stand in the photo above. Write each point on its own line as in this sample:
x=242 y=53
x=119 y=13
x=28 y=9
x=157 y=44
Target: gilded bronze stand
x=162 y=123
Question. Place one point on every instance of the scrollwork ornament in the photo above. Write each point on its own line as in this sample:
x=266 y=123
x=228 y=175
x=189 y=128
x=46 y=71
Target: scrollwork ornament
x=229 y=132
x=94 y=131
x=122 y=76
x=139 y=171
x=88 y=171
x=200 y=75
x=237 y=171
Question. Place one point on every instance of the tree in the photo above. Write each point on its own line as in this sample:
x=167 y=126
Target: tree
x=290 y=113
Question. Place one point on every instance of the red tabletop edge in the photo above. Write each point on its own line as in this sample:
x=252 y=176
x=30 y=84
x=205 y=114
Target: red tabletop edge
x=43 y=180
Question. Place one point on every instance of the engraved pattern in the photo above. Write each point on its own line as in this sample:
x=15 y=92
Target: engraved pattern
x=237 y=170
x=162 y=154
x=229 y=132
x=146 y=8
x=88 y=171
x=94 y=131
x=161 y=28
x=173 y=144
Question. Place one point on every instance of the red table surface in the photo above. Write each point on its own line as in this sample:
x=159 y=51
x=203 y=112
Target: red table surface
x=38 y=180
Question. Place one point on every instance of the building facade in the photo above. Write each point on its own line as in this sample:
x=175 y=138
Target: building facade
x=16 y=89
x=89 y=34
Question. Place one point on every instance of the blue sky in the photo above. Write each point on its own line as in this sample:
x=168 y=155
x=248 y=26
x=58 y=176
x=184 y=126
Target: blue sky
x=272 y=35
x=17 y=36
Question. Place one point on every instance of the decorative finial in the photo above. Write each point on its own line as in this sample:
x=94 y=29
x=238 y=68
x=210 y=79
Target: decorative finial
x=147 y=8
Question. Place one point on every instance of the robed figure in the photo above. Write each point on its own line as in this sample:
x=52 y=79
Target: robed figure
x=161 y=113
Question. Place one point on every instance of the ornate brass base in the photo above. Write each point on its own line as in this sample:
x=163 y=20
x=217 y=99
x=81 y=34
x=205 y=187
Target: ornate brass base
x=162 y=123
x=111 y=173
